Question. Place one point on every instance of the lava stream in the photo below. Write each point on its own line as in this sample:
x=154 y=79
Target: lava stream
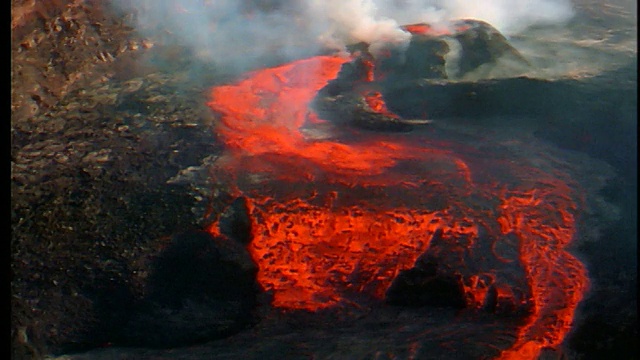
x=334 y=219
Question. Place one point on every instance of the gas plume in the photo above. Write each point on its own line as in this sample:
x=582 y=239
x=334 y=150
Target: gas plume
x=253 y=33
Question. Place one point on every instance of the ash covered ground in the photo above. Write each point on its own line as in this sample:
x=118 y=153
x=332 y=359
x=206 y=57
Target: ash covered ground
x=109 y=138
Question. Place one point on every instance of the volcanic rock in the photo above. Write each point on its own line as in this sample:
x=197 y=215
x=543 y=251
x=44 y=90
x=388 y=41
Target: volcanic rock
x=473 y=50
x=201 y=288
x=92 y=147
x=425 y=57
x=484 y=52
x=445 y=275
x=351 y=109
x=235 y=222
x=423 y=286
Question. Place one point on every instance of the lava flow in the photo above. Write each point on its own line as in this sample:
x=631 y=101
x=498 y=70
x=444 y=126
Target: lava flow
x=334 y=220
x=426 y=29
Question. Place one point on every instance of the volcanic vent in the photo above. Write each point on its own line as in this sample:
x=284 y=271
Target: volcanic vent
x=342 y=216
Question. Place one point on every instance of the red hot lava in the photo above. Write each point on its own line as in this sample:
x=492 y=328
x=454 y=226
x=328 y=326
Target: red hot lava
x=335 y=220
x=426 y=29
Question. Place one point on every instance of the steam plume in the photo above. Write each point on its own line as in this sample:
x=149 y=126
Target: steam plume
x=247 y=31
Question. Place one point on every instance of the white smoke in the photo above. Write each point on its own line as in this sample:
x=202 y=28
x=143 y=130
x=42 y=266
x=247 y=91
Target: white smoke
x=378 y=21
x=352 y=21
x=247 y=31
x=508 y=16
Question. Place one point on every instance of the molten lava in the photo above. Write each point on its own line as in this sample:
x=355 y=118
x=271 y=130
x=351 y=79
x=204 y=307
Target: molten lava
x=376 y=103
x=424 y=29
x=336 y=219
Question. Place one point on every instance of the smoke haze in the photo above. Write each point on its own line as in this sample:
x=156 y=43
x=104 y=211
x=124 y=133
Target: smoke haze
x=236 y=33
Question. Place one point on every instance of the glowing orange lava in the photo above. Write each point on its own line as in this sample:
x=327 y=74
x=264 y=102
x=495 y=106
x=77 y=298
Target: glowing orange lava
x=423 y=29
x=377 y=104
x=335 y=220
x=426 y=29
x=374 y=98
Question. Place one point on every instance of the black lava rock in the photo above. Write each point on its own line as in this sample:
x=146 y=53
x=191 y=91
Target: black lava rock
x=423 y=286
x=435 y=75
x=351 y=109
x=201 y=288
x=235 y=223
x=482 y=45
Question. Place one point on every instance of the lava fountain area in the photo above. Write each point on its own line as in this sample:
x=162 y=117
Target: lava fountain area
x=344 y=216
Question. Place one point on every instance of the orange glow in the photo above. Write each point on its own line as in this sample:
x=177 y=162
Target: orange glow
x=322 y=255
x=545 y=223
x=263 y=115
x=334 y=221
x=425 y=29
x=377 y=104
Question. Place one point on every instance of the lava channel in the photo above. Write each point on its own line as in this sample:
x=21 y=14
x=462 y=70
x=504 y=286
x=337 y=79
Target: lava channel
x=334 y=220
